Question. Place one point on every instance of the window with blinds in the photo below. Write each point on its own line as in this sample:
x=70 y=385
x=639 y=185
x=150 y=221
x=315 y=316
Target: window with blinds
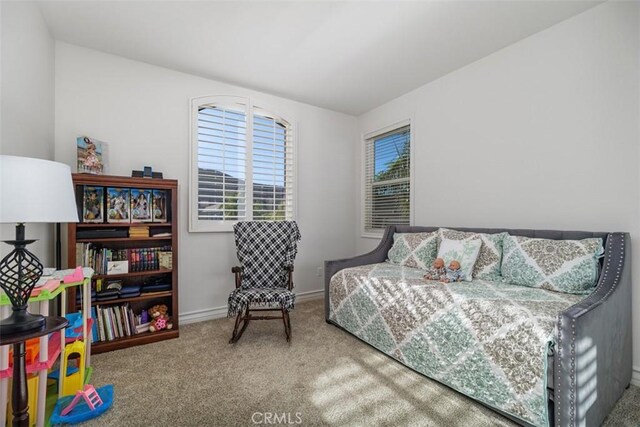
x=272 y=168
x=222 y=161
x=242 y=165
x=387 y=180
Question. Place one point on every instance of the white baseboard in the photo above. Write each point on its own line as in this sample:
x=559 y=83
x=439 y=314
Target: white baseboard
x=219 y=312
x=310 y=295
x=635 y=376
x=202 y=315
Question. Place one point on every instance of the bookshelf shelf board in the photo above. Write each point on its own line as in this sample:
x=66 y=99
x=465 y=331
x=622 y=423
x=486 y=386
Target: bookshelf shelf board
x=138 y=339
x=134 y=299
x=123 y=239
x=122 y=224
x=133 y=274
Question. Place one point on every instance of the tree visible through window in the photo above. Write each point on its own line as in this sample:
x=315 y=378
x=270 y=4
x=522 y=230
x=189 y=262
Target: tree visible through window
x=245 y=168
x=387 y=180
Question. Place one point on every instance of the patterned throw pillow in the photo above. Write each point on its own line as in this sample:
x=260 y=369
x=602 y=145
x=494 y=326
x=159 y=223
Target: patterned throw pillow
x=488 y=264
x=417 y=250
x=569 y=266
x=464 y=251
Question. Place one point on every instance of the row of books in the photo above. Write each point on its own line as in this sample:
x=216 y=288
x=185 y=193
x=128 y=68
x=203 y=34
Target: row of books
x=117 y=321
x=99 y=258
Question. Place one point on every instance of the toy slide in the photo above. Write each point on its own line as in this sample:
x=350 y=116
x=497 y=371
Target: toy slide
x=86 y=404
x=90 y=396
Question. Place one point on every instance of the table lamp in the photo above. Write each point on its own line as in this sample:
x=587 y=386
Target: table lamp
x=31 y=190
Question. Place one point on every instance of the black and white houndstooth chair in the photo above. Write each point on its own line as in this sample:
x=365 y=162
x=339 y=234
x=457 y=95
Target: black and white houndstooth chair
x=266 y=251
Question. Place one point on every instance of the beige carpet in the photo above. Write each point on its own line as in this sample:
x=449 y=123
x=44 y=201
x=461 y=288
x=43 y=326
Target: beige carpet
x=324 y=377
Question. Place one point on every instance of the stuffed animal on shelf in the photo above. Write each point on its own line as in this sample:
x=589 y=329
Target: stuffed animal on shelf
x=159 y=318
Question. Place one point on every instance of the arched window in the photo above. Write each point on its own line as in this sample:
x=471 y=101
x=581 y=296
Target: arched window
x=242 y=164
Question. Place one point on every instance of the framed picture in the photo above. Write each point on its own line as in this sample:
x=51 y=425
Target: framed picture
x=141 y=205
x=93 y=204
x=159 y=206
x=92 y=155
x=118 y=205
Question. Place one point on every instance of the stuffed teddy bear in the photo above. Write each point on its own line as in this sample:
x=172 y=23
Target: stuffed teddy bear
x=159 y=318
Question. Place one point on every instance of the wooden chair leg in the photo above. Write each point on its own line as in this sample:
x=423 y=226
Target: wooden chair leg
x=237 y=334
x=287 y=324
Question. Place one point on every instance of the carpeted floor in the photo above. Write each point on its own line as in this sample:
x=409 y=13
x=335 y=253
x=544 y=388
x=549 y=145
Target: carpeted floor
x=324 y=377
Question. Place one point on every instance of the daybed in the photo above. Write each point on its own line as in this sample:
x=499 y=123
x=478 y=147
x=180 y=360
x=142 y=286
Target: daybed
x=536 y=356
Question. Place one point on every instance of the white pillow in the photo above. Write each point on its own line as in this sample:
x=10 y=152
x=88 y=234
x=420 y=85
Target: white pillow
x=464 y=251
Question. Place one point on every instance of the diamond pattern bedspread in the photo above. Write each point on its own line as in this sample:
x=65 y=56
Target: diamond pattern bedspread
x=488 y=340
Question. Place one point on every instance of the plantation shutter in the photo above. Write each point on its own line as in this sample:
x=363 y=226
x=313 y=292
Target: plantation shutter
x=222 y=157
x=272 y=172
x=387 y=180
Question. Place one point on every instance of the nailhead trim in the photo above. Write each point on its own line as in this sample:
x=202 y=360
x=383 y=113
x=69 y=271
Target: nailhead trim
x=557 y=384
x=572 y=376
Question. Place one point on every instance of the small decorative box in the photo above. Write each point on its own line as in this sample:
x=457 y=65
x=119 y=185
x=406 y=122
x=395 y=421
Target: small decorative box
x=117 y=267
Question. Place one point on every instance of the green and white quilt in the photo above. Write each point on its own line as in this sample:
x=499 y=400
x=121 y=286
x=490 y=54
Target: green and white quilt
x=488 y=340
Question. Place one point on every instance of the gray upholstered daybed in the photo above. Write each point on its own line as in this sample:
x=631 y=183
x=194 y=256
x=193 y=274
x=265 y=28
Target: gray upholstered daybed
x=588 y=357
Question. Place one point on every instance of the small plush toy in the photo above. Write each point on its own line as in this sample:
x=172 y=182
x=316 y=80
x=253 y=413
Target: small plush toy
x=437 y=270
x=453 y=272
x=159 y=318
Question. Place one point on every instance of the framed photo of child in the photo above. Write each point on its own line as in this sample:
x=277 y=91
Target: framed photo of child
x=141 y=205
x=118 y=205
x=159 y=206
x=93 y=204
x=92 y=155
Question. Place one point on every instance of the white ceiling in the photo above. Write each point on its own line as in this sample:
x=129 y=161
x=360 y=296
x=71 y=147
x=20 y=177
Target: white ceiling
x=345 y=56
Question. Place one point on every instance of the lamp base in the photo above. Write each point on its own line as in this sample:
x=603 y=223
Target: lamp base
x=20 y=321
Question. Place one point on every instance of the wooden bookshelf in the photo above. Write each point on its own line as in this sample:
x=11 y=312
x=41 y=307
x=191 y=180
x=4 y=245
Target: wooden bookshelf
x=141 y=302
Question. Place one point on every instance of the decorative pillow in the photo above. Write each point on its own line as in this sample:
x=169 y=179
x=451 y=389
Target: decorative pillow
x=417 y=250
x=569 y=266
x=464 y=251
x=488 y=264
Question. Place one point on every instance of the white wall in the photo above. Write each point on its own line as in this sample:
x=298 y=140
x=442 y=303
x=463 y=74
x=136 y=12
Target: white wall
x=26 y=101
x=142 y=111
x=542 y=134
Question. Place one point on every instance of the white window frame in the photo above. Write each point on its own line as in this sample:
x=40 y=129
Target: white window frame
x=197 y=225
x=363 y=173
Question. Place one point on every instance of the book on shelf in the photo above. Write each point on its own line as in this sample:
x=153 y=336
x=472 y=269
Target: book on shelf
x=102 y=233
x=161 y=234
x=143 y=328
x=117 y=321
x=94 y=327
x=134 y=260
x=139 y=232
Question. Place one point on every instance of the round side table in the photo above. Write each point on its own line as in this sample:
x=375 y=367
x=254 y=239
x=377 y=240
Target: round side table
x=19 y=391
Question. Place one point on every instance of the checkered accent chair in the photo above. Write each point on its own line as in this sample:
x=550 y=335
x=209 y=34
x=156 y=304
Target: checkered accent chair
x=265 y=250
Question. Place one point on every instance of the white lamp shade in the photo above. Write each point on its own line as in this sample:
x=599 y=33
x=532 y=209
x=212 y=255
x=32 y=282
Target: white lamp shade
x=36 y=190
